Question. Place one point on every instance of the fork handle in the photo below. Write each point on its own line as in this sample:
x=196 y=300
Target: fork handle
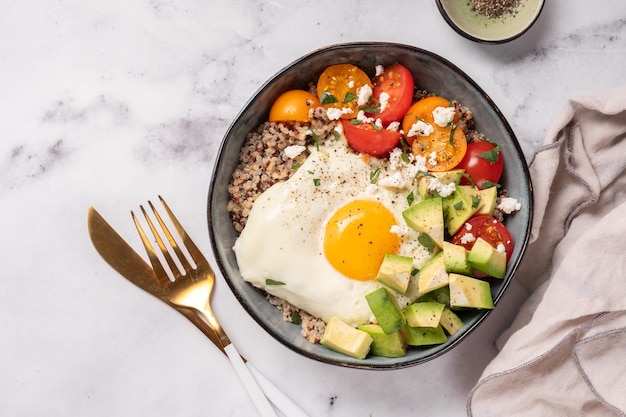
x=254 y=390
x=285 y=405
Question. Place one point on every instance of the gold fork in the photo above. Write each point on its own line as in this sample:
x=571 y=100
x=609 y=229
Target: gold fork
x=192 y=287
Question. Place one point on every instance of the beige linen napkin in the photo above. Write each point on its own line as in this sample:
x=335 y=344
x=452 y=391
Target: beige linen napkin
x=565 y=353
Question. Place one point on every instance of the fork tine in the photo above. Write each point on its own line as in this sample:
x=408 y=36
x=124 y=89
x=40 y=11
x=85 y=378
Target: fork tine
x=179 y=253
x=166 y=253
x=195 y=253
x=154 y=260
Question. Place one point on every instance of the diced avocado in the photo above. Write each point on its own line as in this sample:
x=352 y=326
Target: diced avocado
x=427 y=217
x=440 y=295
x=385 y=309
x=426 y=314
x=450 y=321
x=395 y=272
x=467 y=292
x=433 y=275
x=445 y=177
x=455 y=258
x=489 y=197
x=343 y=338
x=485 y=258
x=463 y=205
x=421 y=336
x=387 y=345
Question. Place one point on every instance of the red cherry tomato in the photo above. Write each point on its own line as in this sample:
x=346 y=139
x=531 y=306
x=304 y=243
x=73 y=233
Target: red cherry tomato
x=364 y=137
x=488 y=228
x=482 y=162
x=397 y=82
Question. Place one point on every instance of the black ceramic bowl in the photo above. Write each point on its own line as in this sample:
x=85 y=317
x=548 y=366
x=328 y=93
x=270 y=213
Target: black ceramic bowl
x=432 y=73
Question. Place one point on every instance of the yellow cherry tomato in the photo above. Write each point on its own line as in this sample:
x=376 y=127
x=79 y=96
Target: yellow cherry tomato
x=423 y=110
x=443 y=149
x=338 y=87
x=293 y=106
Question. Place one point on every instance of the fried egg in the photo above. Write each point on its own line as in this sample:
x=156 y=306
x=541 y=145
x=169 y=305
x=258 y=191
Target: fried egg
x=317 y=239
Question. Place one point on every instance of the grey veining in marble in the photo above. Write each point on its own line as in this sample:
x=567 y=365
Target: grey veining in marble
x=112 y=103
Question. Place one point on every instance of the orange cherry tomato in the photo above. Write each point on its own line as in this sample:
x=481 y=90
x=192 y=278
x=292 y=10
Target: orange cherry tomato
x=293 y=106
x=338 y=87
x=443 y=149
x=423 y=110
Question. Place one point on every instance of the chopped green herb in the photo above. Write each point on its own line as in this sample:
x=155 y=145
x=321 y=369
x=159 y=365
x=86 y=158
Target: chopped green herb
x=421 y=173
x=491 y=155
x=489 y=184
x=458 y=206
x=316 y=139
x=410 y=198
x=374 y=176
x=426 y=241
x=296 y=165
x=356 y=121
x=270 y=281
x=452 y=135
x=375 y=126
x=414 y=272
x=316 y=182
x=405 y=157
x=475 y=201
x=349 y=97
x=295 y=317
x=328 y=98
x=336 y=134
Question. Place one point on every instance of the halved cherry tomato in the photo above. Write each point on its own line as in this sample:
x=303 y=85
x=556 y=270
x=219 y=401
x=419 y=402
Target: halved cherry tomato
x=488 y=228
x=423 y=110
x=339 y=85
x=397 y=82
x=482 y=162
x=293 y=106
x=364 y=137
x=443 y=148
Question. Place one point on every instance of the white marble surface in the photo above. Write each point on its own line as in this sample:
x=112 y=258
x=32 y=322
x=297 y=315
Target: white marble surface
x=112 y=103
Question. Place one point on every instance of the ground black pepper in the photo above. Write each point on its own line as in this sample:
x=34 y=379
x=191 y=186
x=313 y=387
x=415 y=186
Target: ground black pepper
x=494 y=9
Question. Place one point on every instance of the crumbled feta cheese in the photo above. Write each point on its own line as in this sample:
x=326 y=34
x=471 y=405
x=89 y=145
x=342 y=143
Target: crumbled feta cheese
x=363 y=118
x=401 y=230
x=394 y=126
x=379 y=70
x=335 y=114
x=395 y=159
x=351 y=84
x=293 y=151
x=394 y=180
x=500 y=248
x=467 y=238
x=420 y=128
x=468 y=226
x=444 y=190
x=384 y=100
x=432 y=158
x=508 y=205
x=379 y=124
x=364 y=94
x=443 y=116
x=419 y=164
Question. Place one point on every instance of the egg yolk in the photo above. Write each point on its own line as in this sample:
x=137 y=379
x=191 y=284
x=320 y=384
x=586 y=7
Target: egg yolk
x=357 y=237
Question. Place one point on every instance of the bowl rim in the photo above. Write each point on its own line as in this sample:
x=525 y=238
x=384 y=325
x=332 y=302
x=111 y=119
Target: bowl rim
x=511 y=269
x=477 y=39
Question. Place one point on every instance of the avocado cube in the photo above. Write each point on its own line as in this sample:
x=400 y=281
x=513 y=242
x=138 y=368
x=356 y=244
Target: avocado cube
x=395 y=272
x=424 y=314
x=427 y=217
x=388 y=345
x=343 y=338
x=423 y=336
x=450 y=321
x=489 y=198
x=487 y=259
x=385 y=309
x=455 y=258
x=463 y=205
x=467 y=292
x=433 y=275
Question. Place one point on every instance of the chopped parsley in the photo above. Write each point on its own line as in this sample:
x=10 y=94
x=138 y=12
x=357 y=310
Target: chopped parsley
x=270 y=281
x=328 y=98
x=316 y=182
x=374 y=176
x=491 y=155
x=349 y=97
x=489 y=184
x=452 y=135
x=410 y=198
x=458 y=206
x=475 y=201
x=426 y=241
x=295 y=317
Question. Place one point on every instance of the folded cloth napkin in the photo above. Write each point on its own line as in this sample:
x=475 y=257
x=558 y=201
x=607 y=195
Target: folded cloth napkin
x=565 y=353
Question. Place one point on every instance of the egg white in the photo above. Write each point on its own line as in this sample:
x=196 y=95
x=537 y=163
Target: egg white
x=284 y=234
